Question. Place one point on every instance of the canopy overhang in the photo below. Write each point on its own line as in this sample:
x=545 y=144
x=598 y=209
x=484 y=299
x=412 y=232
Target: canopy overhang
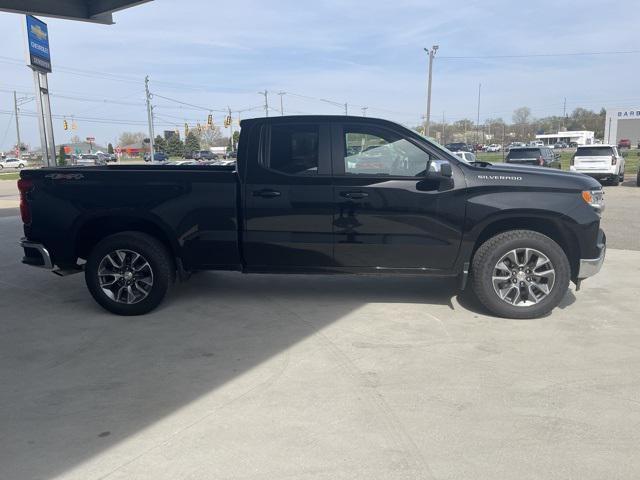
x=94 y=11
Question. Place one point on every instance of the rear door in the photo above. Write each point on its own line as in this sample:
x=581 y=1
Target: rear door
x=288 y=208
x=389 y=214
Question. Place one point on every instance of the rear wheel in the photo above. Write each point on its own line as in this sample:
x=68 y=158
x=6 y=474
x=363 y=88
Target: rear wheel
x=129 y=273
x=520 y=274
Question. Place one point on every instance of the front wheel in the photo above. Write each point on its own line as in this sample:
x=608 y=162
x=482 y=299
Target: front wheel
x=129 y=273
x=520 y=274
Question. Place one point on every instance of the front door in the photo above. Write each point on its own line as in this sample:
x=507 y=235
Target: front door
x=288 y=199
x=389 y=213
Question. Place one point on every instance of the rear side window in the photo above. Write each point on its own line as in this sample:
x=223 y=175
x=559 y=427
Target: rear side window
x=525 y=153
x=594 y=152
x=294 y=149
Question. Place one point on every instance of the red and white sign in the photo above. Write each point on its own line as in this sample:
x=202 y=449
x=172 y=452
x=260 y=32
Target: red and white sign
x=118 y=150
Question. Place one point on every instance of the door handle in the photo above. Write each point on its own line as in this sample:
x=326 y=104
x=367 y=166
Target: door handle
x=354 y=195
x=266 y=193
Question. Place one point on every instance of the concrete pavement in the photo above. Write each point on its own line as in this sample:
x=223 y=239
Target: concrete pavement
x=270 y=377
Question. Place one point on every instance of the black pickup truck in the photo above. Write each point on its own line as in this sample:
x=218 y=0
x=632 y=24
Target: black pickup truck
x=318 y=194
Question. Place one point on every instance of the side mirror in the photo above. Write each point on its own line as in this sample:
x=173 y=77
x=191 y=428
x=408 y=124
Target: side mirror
x=445 y=170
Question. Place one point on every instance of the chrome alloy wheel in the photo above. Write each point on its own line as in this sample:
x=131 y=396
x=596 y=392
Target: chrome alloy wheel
x=523 y=277
x=125 y=276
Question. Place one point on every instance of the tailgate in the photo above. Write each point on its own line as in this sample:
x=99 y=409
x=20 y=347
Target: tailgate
x=592 y=162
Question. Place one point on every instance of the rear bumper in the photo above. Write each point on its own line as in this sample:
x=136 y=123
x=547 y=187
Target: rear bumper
x=36 y=255
x=590 y=266
x=600 y=173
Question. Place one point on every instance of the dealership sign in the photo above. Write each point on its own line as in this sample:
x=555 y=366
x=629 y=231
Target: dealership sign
x=629 y=113
x=38 y=36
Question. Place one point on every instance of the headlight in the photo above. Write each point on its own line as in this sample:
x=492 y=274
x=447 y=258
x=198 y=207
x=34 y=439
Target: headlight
x=595 y=198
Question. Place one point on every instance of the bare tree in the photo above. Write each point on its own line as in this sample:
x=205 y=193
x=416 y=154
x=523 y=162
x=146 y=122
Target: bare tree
x=131 y=138
x=522 y=116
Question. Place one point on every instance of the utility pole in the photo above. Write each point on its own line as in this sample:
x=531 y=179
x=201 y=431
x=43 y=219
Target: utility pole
x=282 y=94
x=364 y=111
x=150 y=116
x=564 y=112
x=443 y=141
x=432 y=53
x=15 y=112
x=478 y=119
x=266 y=102
x=346 y=109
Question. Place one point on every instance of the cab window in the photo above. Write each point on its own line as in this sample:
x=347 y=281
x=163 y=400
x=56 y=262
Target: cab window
x=294 y=149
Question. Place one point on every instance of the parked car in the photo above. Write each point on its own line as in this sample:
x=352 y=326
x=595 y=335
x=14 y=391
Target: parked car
x=536 y=143
x=205 y=155
x=466 y=156
x=561 y=145
x=602 y=162
x=624 y=143
x=458 y=147
x=539 y=156
x=12 y=162
x=294 y=205
x=89 y=159
x=157 y=157
x=516 y=145
x=494 y=147
x=573 y=144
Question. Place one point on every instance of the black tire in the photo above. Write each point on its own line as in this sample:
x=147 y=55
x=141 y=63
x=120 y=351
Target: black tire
x=21 y=166
x=491 y=251
x=621 y=176
x=156 y=255
x=638 y=180
x=614 y=181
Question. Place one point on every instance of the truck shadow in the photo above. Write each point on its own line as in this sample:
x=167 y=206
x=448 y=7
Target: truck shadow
x=80 y=381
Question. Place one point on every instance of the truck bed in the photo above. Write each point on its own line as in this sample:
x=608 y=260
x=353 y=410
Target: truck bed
x=193 y=207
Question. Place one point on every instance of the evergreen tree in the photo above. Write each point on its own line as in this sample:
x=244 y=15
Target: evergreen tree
x=160 y=144
x=191 y=144
x=175 y=147
x=62 y=157
x=110 y=149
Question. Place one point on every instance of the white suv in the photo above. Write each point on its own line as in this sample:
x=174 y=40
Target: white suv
x=602 y=162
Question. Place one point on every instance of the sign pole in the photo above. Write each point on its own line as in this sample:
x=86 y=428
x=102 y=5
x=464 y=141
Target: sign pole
x=41 y=122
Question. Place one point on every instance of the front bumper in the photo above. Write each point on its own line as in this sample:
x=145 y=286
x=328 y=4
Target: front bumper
x=36 y=255
x=590 y=266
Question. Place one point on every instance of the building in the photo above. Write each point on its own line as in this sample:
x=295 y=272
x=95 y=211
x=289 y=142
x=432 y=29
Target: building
x=81 y=148
x=622 y=123
x=581 y=137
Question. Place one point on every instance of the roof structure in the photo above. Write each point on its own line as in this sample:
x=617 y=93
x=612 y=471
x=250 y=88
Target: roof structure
x=95 y=11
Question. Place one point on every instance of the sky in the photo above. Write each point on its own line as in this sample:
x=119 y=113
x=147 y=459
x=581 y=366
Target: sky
x=216 y=55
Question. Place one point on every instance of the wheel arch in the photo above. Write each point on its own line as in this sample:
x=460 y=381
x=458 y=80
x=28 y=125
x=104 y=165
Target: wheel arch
x=94 y=229
x=551 y=227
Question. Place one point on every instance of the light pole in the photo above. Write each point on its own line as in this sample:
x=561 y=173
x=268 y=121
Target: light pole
x=432 y=53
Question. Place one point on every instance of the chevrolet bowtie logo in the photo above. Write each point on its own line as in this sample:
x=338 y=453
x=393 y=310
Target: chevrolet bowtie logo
x=38 y=32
